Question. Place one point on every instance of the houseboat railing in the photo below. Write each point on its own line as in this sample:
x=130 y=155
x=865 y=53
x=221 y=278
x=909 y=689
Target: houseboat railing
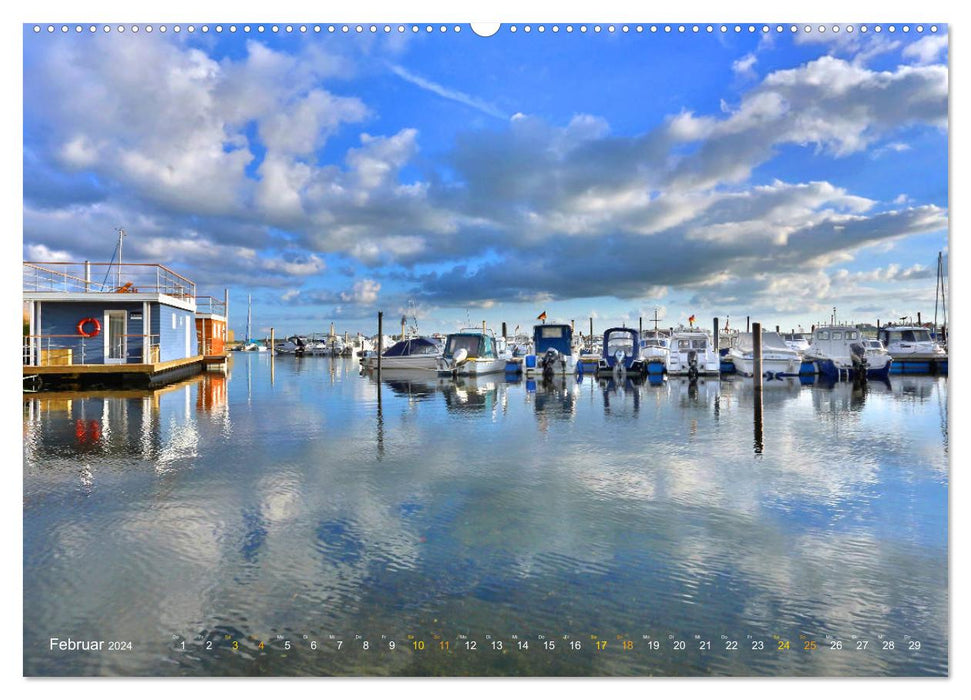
x=71 y=349
x=210 y=305
x=99 y=277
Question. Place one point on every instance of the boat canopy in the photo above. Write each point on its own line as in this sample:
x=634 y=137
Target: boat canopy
x=771 y=342
x=412 y=346
x=625 y=339
x=556 y=336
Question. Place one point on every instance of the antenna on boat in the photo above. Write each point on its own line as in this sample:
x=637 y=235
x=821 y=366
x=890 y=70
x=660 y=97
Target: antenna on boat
x=655 y=319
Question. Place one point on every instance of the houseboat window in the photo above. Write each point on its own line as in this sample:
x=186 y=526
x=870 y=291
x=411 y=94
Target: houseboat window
x=851 y=335
x=822 y=335
x=908 y=336
x=551 y=332
x=922 y=336
x=699 y=344
x=684 y=344
x=894 y=337
x=837 y=335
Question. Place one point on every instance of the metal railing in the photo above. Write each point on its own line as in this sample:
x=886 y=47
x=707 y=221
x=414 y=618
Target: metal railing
x=210 y=305
x=106 y=277
x=72 y=349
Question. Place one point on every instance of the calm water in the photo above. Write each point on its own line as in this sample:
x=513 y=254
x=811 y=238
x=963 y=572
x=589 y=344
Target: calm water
x=283 y=518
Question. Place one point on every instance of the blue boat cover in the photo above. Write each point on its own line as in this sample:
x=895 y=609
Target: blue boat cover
x=412 y=346
x=553 y=335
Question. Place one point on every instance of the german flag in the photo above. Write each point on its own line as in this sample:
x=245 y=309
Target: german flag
x=691 y=319
x=541 y=317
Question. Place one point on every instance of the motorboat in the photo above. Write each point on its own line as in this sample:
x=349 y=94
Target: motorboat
x=470 y=353
x=796 y=341
x=554 y=351
x=838 y=353
x=778 y=359
x=621 y=352
x=692 y=353
x=655 y=350
x=412 y=353
x=911 y=343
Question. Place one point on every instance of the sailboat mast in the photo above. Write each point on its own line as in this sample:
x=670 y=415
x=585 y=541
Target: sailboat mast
x=249 y=317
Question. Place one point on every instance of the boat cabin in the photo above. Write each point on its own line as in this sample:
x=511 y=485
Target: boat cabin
x=559 y=337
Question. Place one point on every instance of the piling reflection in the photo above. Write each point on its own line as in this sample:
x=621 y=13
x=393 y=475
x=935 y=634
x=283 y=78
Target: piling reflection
x=488 y=508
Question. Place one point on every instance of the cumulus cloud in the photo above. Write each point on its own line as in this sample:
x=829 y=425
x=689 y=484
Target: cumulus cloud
x=224 y=160
x=745 y=66
x=926 y=50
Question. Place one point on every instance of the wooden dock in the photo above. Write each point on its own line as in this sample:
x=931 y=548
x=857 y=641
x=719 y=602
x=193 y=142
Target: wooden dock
x=118 y=376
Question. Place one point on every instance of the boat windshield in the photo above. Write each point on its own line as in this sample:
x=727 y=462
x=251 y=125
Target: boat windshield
x=619 y=341
x=917 y=335
x=474 y=345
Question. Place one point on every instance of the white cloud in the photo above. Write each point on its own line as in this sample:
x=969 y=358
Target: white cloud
x=364 y=291
x=745 y=66
x=926 y=50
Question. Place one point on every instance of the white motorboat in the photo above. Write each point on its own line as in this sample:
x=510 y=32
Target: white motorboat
x=655 y=351
x=470 y=353
x=778 y=359
x=692 y=353
x=838 y=353
x=408 y=354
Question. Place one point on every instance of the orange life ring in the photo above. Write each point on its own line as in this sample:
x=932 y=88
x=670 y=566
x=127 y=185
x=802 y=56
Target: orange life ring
x=85 y=321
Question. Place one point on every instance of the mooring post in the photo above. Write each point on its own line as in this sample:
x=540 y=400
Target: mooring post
x=757 y=384
x=714 y=334
x=272 y=342
x=380 y=343
x=591 y=328
x=757 y=355
x=503 y=329
x=918 y=318
x=640 y=325
x=747 y=325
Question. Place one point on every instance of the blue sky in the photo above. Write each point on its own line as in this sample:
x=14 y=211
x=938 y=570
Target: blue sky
x=764 y=174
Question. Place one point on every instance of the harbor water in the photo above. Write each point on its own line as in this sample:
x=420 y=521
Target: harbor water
x=292 y=517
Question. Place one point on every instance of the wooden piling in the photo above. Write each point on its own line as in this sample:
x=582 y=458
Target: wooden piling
x=757 y=355
x=272 y=341
x=714 y=334
x=380 y=344
x=640 y=325
x=757 y=385
x=591 y=326
x=503 y=329
x=747 y=324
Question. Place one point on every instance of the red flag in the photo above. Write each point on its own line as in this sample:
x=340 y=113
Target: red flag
x=691 y=319
x=541 y=317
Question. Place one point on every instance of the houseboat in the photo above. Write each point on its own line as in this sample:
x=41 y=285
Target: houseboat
x=100 y=324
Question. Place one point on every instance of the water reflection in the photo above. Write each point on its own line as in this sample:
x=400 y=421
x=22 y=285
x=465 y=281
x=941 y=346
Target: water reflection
x=479 y=507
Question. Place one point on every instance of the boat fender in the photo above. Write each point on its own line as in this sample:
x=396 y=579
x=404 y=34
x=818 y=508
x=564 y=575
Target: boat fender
x=96 y=327
x=460 y=357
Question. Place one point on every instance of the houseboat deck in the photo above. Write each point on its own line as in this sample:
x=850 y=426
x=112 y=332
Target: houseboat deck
x=120 y=375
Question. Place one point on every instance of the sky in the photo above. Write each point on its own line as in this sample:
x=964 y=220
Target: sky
x=455 y=178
